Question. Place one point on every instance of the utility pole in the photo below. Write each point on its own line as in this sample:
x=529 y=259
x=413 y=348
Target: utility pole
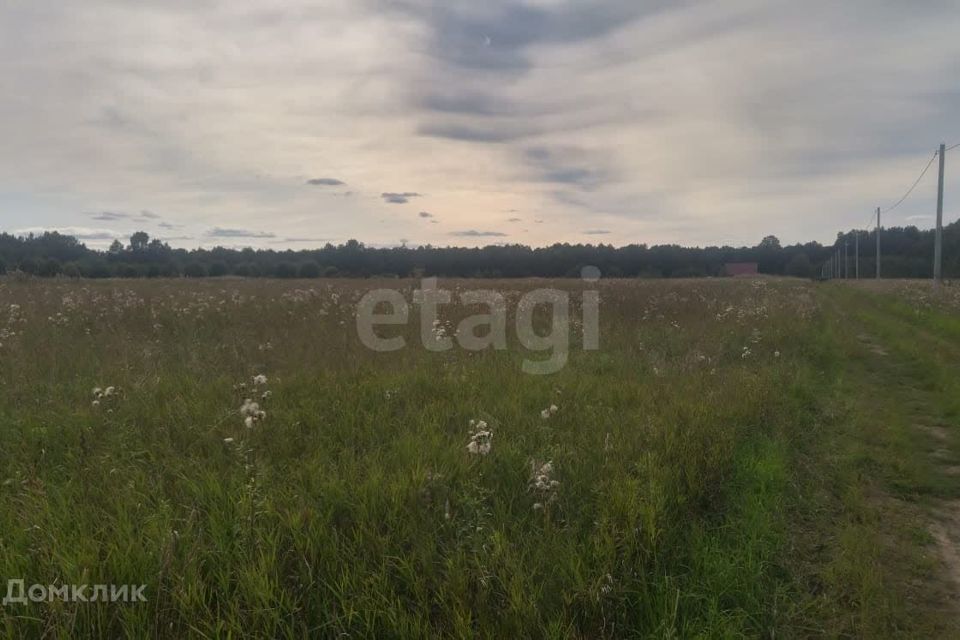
x=856 y=258
x=938 y=240
x=878 y=243
x=846 y=259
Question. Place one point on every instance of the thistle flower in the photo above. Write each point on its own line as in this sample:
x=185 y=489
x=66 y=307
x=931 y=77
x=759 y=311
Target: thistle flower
x=103 y=395
x=251 y=413
x=542 y=483
x=481 y=438
x=549 y=411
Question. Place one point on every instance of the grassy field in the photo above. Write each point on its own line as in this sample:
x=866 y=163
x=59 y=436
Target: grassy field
x=766 y=458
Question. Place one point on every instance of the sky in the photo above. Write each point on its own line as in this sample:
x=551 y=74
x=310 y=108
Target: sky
x=276 y=124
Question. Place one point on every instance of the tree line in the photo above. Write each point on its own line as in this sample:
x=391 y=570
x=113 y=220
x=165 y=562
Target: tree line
x=906 y=252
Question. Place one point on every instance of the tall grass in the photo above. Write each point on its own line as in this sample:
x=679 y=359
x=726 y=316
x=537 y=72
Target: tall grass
x=354 y=508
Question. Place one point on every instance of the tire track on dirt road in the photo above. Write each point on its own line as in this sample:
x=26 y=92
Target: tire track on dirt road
x=910 y=364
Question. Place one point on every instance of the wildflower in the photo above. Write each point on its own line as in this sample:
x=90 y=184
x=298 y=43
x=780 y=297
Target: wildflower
x=228 y=440
x=100 y=396
x=481 y=438
x=776 y=354
x=549 y=411
x=439 y=331
x=251 y=413
x=259 y=379
x=542 y=483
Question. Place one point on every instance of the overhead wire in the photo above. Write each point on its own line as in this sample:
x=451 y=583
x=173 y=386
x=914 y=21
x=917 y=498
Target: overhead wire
x=914 y=185
x=871 y=220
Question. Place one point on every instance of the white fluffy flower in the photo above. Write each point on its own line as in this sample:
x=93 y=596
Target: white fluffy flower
x=542 y=483
x=259 y=379
x=481 y=438
x=251 y=413
x=549 y=411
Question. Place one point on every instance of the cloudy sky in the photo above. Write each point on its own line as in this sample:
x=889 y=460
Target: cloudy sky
x=291 y=123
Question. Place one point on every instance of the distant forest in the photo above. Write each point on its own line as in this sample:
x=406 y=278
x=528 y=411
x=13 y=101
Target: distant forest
x=907 y=252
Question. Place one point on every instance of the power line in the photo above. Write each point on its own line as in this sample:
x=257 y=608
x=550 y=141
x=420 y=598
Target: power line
x=953 y=147
x=914 y=186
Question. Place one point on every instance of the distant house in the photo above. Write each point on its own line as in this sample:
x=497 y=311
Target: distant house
x=740 y=269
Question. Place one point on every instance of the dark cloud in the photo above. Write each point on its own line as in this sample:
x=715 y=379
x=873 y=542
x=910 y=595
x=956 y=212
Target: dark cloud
x=560 y=166
x=399 y=198
x=473 y=233
x=219 y=232
x=425 y=214
x=109 y=215
x=515 y=220
x=325 y=182
x=119 y=215
x=477 y=132
x=498 y=36
x=166 y=225
x=596 y=232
